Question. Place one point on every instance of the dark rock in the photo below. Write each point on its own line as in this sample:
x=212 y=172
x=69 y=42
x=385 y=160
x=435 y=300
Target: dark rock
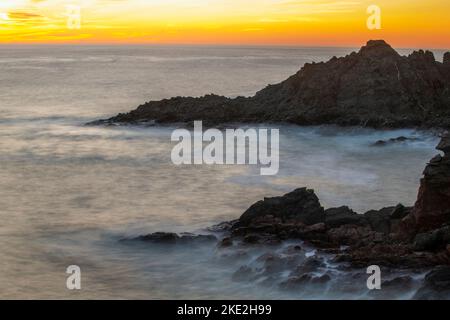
x=380 y=220
x=434 y=240
x=159 y=237
x=381 y=143
x=226 y=242
x=444 y=144
x=318 y=227
x=172 y=238
x=375 y=87
x=222 y=227
x=336 y=217
x=301 y=205
x=197 y=238
x=252 y=238
x=402 y=283
x=436 y=285
x=296 y=283
x=311 y=264
x=399 y=212
x=244 y=273
x=292 y=249
x=350 y=234
x=446 y=59
x=273 y=263
x=321 y=279
x=432 y=208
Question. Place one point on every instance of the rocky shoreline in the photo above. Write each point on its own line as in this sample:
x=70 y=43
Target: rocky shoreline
x=308 y=239
x=374 y=87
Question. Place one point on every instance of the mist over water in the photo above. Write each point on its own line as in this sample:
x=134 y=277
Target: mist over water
x=69 y=193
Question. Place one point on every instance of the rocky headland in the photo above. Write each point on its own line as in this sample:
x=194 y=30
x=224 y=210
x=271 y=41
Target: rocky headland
x=405 y=241
x=374 y=87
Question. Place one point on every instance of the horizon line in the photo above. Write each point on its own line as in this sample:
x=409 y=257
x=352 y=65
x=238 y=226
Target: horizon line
x=187 y=44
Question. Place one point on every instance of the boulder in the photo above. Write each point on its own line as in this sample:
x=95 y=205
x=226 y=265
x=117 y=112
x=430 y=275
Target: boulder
x=336 y=217
x=433 y=240
x=399 y=212
x=300 y=206
x=380 y=220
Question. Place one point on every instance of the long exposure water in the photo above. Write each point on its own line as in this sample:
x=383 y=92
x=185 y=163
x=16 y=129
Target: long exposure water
x=69 y=193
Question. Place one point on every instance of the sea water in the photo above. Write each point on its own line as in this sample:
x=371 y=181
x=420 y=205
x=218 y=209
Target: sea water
x=69 y=192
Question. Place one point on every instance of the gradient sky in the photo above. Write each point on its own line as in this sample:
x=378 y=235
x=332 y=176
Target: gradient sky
x=405 y=23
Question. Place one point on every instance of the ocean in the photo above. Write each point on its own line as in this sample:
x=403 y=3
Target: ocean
x=69 y=193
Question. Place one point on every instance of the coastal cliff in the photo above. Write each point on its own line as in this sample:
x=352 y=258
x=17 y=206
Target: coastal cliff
x=374 y=87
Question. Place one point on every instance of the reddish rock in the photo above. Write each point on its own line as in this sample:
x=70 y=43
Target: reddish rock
x=432 y=208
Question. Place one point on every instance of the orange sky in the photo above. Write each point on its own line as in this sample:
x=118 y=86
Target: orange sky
x=405 y=23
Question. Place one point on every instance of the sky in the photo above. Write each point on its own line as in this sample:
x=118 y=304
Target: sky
x=404 y=23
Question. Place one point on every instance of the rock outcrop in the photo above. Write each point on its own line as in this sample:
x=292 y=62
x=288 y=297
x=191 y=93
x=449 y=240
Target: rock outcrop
x=432 y=208
x=300 y=206
x=375 y=87
x=395 y=238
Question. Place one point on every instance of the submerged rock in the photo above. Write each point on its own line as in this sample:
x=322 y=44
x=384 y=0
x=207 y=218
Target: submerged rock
x=381 y=143
x=173 y=238
x=436 y=285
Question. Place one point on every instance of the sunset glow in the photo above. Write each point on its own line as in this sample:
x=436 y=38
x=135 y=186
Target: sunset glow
x=405 y=23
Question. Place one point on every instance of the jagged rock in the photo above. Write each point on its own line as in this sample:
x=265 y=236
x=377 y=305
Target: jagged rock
x=399 y=212
x=301 y=205
x=432 y=208
x=433 y=240
x=350 y=234
x=374 y=87
x=446 y=59
x=222 y=227
x=336 y=217
x=444 y=144
x=380 y=220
